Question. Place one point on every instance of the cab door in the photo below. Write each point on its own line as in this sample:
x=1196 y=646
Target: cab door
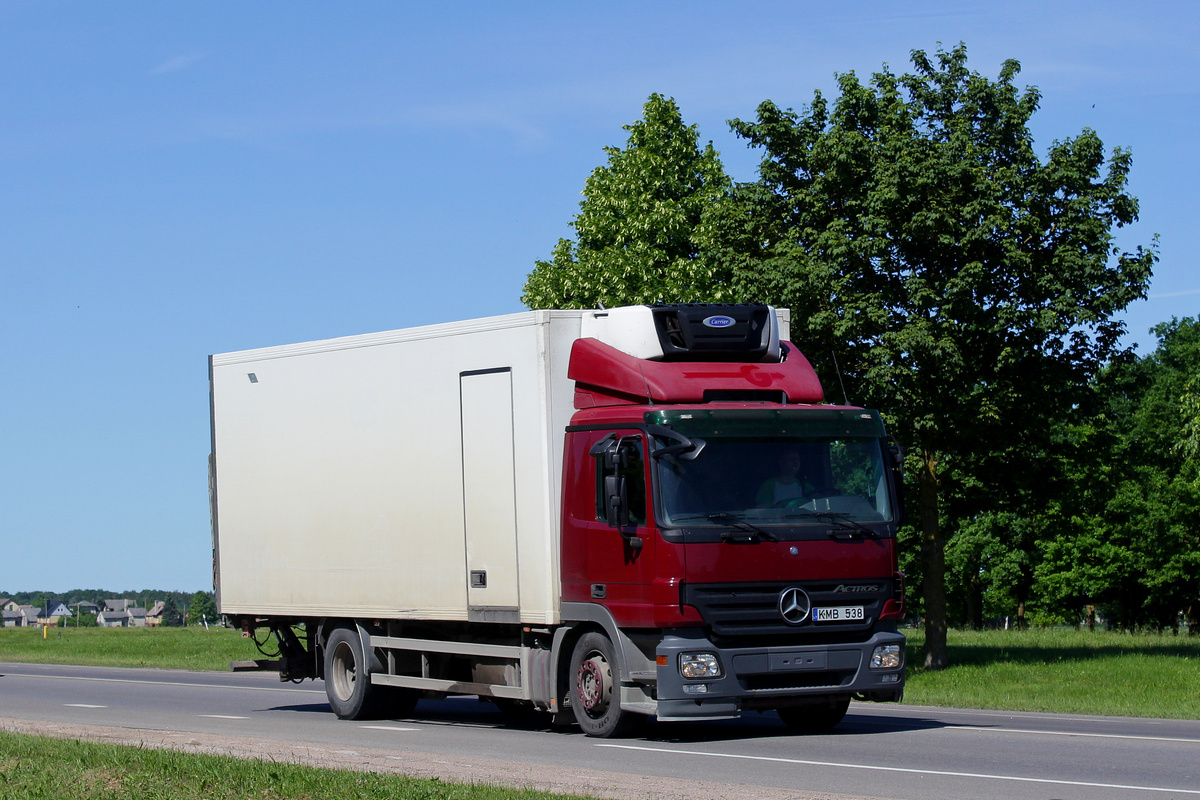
x=608 y=554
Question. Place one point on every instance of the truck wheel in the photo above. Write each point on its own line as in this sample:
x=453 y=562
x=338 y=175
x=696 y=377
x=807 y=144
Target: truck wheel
x=596 y=696
x=347 y=677
x=815 y=718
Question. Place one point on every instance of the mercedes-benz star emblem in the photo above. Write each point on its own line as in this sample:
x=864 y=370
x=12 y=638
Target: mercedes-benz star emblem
x=794 y=605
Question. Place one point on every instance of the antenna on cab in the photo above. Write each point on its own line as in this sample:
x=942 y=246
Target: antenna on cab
x=845 y=397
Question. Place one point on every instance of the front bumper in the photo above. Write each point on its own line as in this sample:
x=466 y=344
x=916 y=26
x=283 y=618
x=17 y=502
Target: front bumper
x=771 y=677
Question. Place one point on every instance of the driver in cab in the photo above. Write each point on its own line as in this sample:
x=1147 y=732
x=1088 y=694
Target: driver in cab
x=786 y=484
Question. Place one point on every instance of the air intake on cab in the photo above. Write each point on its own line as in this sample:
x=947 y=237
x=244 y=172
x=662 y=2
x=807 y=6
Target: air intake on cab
x=712 y=332
x=746 y=332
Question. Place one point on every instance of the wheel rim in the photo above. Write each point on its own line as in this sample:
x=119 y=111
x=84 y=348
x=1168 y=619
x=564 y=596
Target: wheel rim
x=343 y=671
x=593 y=684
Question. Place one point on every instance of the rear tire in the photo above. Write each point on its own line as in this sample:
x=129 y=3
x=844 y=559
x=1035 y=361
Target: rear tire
x=348 y=677
x=816 y=718
x=596 y=689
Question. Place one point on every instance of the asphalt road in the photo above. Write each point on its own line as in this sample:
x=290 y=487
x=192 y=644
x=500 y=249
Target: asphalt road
x=880 y=750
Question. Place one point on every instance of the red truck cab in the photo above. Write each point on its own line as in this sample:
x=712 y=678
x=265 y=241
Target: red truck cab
x=733 y=536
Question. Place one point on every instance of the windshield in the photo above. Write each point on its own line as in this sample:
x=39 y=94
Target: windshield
x=775 y=480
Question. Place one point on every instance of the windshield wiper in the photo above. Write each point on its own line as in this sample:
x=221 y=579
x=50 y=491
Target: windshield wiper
x=749 y=532
x=844 y=522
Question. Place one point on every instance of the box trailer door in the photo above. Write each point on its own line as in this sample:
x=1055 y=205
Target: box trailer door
x=489 y=495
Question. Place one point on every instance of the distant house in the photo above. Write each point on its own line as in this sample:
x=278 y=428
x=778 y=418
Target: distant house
x=116 y=605
x=84 y=607
x=154 y=614
x=137 y=617
x=113 y=619
x=9 y=605
x=29 y=616
x=50 y=615
x=11 y=619
x=59 y=611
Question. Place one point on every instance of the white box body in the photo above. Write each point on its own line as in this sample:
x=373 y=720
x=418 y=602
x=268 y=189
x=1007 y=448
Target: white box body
x=373 y=476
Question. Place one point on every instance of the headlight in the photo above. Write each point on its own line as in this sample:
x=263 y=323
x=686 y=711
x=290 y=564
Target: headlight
x=700 y=665
x=886 y=656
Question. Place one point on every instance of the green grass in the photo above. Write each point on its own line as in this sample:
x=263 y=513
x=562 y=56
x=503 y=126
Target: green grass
x=192 y=648
x=1061 y=671
x=38 y=768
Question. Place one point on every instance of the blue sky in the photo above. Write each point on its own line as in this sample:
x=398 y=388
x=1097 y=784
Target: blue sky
x=180 y=179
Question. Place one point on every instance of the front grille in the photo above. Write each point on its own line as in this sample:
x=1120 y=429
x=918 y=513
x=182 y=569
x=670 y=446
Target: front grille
x=751 y=610
x=796 y=680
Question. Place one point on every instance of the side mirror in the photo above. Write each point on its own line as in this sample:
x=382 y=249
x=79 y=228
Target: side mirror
x=616 y=501
x=897 y=455
x=684 y=449
x=610 y=447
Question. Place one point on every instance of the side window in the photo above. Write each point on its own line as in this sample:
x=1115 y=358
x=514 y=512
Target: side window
x=626 y=462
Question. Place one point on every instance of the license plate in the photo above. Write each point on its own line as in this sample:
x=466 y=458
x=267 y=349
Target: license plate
x=838 y=614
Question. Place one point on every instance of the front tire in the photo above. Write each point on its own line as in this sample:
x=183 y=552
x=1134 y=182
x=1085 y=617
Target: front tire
x=348 y=677
x=596 y=689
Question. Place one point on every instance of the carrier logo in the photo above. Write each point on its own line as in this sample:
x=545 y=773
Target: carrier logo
x=719 y=321
x=866 y=589
x=794 y=605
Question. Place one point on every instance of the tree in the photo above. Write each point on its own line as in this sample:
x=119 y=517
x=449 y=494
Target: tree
x=83 y=619
x=1168 y=534
x=986 y=574
x=639 y=231
x=1137 y=552
x=202 y=608
x=967 y=288
x=1189 y=444
x=171 y=617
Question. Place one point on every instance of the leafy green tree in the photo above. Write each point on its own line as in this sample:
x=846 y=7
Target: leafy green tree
x=1163 y=423
x=1134 y=549
x=202 y=608
x=171 y=616
x=639 y=232
x=987 y=575
x=967 y=287
x=1188 y=446
x=83 y=618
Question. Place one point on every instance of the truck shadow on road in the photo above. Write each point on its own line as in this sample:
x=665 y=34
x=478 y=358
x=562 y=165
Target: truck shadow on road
x=305 y=708
x=754 y=726
x=474 y=713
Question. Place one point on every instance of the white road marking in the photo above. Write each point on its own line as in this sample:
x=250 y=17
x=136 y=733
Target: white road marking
x=386 y=728
x=1074 y=733
x=976 y=712
x=911 y=771
x=166 y=683
x=82 y=705
x=221 y=716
